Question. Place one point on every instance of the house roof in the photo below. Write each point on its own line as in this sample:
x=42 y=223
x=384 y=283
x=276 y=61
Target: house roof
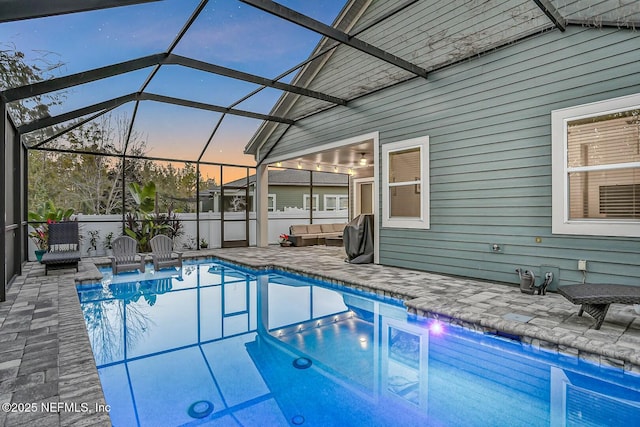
x=432 y=35
x=369 y=45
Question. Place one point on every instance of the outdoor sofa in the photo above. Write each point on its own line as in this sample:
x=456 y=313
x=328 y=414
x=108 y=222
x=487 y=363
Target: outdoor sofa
x=315 y=234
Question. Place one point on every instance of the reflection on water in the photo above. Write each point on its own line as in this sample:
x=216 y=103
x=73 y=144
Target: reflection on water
x=214 y=338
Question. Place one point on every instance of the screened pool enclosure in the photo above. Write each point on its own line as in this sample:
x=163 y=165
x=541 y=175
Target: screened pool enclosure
x=146 y=114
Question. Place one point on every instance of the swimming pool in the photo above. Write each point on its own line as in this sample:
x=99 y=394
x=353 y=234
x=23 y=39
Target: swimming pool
x=218 y=345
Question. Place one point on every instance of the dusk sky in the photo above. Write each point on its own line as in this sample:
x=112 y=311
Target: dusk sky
x=227 y=33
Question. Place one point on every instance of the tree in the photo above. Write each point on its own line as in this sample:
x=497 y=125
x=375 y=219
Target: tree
x=89 y=183
x=100 y=192
x=15 y=72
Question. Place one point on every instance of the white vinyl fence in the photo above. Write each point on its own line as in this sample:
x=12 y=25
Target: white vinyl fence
x=279 y=223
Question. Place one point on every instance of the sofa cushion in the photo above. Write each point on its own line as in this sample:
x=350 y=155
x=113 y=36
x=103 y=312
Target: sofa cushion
x=298 y=229
x=339 y=227
x=314 y=229
x=335 y=234
x=327 y=228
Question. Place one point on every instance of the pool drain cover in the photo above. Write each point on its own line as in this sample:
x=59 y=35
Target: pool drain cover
x=200 y=409
x=302 y=363
x=297 y=420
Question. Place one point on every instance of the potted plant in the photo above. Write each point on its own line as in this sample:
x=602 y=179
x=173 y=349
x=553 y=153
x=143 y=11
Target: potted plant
x=94 y=235
x=108 y=243
x=190 y=243
x=40 y=236
x=284 y=240
x=203 y=244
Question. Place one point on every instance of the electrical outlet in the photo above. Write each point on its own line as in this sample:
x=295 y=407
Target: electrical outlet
x=582 y=265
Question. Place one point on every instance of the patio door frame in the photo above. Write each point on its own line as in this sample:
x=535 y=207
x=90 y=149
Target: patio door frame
x=357 y=191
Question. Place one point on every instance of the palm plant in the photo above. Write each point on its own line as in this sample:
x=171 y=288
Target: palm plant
x=145 y=222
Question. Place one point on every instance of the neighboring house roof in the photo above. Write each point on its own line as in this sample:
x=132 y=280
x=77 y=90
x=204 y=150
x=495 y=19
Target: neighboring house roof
x=294 y=177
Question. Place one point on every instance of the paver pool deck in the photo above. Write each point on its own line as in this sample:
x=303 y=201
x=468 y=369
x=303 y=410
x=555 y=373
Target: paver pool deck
x=46 y=359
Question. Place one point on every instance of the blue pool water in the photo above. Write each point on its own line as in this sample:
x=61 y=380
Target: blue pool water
x=220 y=346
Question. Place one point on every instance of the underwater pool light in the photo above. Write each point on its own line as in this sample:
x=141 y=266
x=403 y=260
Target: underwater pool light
x=436 y=327
x=200 y=409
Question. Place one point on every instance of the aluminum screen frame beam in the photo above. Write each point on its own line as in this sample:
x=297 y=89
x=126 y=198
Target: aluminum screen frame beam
x=251 y=78
x=335 y=34
x=83 y=77
x=17 y=10
x=116 y=102
x=552 y=13
x=211 y=107
x=54 y=120
x=59 y=83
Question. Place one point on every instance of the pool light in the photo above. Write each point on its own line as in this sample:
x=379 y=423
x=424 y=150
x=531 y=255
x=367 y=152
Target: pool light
x=302 y=363
x=200 y=409
x=436 y=327
x=363 y=343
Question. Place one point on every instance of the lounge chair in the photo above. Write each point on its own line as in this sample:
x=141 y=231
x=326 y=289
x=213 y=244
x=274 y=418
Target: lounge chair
x=125 y=255
x=596 y=298
x=163 y=254
x=63 y=246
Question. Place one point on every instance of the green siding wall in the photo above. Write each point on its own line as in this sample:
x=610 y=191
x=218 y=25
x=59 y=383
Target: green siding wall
x=489 y=125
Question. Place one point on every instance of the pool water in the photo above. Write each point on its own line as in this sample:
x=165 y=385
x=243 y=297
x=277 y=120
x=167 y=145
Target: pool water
x=212 y=344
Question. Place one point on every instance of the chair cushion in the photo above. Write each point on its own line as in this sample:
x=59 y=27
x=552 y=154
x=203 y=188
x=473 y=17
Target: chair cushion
x=66 y=257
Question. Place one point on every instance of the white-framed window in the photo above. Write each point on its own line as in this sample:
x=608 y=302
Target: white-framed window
x=596 y=168
x=271 y=202
x=405 y=182
x=336 y=202
x=306 y=200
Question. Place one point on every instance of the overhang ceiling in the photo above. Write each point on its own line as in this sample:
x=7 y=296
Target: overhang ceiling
x=166 y=57
x=350 y=159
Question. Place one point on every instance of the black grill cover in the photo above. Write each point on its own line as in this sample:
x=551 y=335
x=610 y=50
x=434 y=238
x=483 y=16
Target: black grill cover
x=358 y=239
